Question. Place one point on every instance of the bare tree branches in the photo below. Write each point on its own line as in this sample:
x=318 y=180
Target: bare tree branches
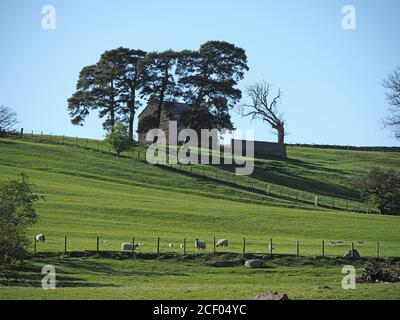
x=264 y=108
x=8 y=119
x=392 y=84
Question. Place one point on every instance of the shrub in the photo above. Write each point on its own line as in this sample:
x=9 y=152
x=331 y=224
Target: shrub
x=17 y=213
x=379 y=272
x=119 y=139
x=381 y=188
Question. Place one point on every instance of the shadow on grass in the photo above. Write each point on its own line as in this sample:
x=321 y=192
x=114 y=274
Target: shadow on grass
x=73 y=270
x=278 y=172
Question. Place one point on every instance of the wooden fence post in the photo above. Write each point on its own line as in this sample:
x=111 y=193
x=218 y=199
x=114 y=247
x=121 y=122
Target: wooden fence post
x=214 y=245
x=244 y=246
x=65 y=244
x=86 y=143
x=97 y=246
x=41 y=136
x=34 y=246
x=352 y=249
x=133 y=245
x=158 y=245
x=298 y=248
x=22 y=132
x=184 y=246
x=270 y=247
x=323 y=248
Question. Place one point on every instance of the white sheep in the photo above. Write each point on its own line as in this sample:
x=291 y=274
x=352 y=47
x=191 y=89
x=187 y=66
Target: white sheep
x=40 y=238
x=200 y=244
x=222 y=243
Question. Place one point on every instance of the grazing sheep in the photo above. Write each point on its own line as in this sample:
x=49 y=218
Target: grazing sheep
x=40 y=238
x=222 y=243
x=200 y=244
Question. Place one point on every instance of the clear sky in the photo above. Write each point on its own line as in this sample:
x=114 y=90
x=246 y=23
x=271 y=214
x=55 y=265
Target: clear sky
x=330 y=77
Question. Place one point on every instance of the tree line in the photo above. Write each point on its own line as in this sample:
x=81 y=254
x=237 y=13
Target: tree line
x=123 y=78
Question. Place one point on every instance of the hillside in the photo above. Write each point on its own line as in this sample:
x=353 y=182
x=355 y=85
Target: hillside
x=92 y=193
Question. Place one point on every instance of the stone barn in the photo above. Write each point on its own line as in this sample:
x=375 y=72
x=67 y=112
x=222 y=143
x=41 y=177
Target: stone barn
x=170 y=111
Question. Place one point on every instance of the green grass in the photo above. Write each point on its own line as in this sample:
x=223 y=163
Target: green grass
x=90 y=193
x=195 y=278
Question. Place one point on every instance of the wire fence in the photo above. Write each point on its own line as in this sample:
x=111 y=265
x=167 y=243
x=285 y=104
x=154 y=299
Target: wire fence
x=236 y=245
x=218 y=173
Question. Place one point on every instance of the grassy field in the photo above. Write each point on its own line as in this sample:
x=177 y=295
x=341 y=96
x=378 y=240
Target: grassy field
x=194 y=278
x=90 y=193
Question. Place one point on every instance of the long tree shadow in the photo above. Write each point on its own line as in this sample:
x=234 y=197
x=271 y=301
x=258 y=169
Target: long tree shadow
x=277 y=172
x=29 y=274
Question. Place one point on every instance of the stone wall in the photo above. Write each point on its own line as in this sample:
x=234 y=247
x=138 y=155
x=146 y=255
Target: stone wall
x=264 y=148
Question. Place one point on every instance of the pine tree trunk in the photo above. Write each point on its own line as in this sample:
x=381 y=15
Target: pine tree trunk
x=130 y=125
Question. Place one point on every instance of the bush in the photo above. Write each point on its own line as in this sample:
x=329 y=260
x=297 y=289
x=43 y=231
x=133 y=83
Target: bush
x=119 y=139
x=17 y=213
x=379 y=272
x=381 y=188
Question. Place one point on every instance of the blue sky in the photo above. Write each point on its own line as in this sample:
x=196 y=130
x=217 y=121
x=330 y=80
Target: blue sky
x=330 y=78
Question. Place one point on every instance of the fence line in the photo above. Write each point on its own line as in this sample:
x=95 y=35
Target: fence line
x=243 y=247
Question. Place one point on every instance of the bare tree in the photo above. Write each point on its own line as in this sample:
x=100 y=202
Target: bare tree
x=8 y=119
x=392 y=84
x=265 y=107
